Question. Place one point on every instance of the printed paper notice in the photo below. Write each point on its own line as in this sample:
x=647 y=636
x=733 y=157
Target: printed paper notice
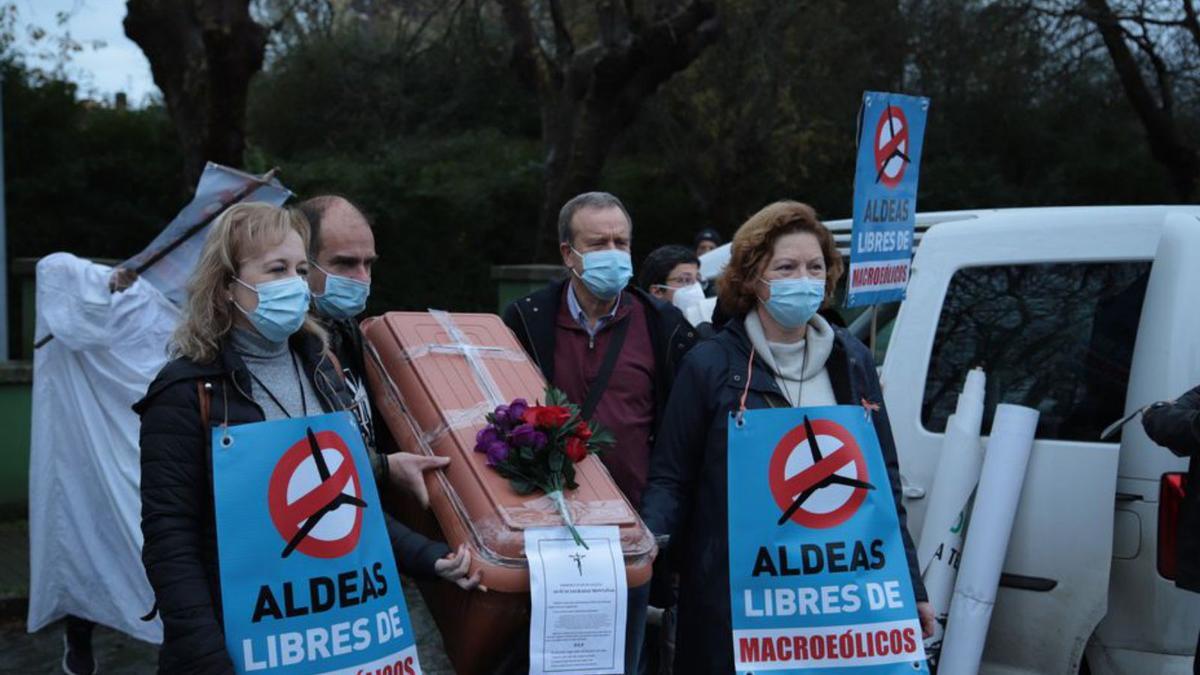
x=579 y=601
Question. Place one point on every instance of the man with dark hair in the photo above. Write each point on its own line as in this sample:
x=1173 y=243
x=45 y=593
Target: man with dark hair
x=672 y=274
x=613 y=350
x=669 y=270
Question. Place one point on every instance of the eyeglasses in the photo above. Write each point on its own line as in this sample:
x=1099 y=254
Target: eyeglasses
x=686 y=280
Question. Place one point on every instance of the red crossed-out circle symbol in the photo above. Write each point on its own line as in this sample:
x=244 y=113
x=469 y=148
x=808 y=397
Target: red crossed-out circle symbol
x=792 y=471
x=891 y=146
x=298 y=491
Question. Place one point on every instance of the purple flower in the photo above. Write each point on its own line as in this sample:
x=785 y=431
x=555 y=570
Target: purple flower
x=485 y=437
x=500 y=414
x=526 y=436
x=516 y=410
x=497 y=451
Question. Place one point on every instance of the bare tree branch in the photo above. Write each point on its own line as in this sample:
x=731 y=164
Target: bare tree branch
x=1162 y=131
x=202 y=56
x=564 y=46
x=614 y=23
x=1190 y=22
x=530 y=61
x=589 y=95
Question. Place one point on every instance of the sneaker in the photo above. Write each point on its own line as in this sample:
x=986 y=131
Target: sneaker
x=78 y=661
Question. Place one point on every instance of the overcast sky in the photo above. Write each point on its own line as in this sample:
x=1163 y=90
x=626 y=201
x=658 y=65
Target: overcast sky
x=117 y=66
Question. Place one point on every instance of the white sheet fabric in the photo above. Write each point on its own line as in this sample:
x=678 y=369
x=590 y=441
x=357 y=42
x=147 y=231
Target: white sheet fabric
x=84 y=504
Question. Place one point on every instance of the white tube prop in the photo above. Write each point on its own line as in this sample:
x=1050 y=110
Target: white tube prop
x=941 y=541
x=957 y=471
x=991 y=525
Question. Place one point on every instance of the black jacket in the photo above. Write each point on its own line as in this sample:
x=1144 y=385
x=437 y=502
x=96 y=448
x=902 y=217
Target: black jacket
x=178 y=523
x=533 y=319
x=686 y=496
x=1176 y=426
x=348 y=344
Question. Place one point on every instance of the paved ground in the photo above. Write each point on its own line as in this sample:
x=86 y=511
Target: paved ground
x=25 y=654
x=14 y=559
x=41 y=652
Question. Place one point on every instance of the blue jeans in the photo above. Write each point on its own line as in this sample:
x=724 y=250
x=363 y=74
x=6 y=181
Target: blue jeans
x=635 y=628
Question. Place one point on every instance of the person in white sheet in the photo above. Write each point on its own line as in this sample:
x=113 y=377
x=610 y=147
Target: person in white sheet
x=85 y=543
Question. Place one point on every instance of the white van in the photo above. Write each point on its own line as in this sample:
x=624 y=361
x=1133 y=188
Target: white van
x=1086 y=314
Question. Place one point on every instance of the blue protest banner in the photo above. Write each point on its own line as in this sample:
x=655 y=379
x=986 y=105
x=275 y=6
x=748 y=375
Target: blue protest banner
x=308 y=580
x=885 y=197
x=818 y=575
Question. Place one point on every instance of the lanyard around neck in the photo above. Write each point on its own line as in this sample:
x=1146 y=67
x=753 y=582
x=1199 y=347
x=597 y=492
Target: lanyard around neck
x=275 y=399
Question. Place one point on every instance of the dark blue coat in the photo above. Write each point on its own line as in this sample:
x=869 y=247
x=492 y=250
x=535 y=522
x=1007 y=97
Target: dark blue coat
x=686 y=495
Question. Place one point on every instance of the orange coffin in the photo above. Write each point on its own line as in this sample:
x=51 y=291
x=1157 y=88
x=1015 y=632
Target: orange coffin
x=433 y=377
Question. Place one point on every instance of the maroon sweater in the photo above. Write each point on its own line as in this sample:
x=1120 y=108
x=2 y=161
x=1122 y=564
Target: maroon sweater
x=627 y=406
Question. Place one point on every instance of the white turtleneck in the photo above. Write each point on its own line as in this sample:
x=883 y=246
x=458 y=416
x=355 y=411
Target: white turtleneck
x=798 y=367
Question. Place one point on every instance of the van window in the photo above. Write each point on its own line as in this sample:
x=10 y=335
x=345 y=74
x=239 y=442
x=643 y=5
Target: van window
x=1057 y=337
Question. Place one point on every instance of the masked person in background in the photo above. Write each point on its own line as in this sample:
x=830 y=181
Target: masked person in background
x=246 y=341
x=672 y=274
x=785 y=265
x=613 y=351
x=706 y=240
x=341 y=253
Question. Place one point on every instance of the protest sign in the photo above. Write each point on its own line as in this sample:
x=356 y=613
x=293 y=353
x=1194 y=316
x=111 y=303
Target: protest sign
x=308 y=580
x=885 y=197
x=818 y=573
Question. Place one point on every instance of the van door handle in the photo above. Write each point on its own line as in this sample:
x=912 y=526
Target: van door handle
x=1128 y=497
x=911 y=491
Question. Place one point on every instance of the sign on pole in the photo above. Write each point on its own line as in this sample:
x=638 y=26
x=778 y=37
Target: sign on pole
x=885 y=197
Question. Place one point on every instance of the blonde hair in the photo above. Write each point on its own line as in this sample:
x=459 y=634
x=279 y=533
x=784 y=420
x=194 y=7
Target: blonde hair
x=239 y=233
x=754 y=244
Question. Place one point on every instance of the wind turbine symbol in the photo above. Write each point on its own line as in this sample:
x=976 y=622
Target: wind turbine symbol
x=896 y=151
x=341 y=499
x=831 y=479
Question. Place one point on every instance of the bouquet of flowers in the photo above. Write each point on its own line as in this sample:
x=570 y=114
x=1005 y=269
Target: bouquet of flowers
x=536 y=447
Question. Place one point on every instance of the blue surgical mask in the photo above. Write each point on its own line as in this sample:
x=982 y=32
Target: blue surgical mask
x=344 y=298
x=606 y=272
x=282 y=307
x=794 y=301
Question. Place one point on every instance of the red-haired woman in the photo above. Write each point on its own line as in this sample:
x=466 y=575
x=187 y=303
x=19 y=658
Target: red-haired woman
x=784 y=267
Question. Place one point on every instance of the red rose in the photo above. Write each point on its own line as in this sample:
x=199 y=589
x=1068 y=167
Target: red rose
x=576 y=449
x=583 y=431
x=547 y=416
x=530 y=416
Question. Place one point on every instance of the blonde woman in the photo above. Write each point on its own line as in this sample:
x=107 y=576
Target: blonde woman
x=247 y=342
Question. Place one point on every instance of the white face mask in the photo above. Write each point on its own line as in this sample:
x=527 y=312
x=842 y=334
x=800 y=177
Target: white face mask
x=686 y=296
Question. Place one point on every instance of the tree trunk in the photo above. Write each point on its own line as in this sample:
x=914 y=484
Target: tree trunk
x=588 y=97
x=1167 y=144
x=203 y=54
